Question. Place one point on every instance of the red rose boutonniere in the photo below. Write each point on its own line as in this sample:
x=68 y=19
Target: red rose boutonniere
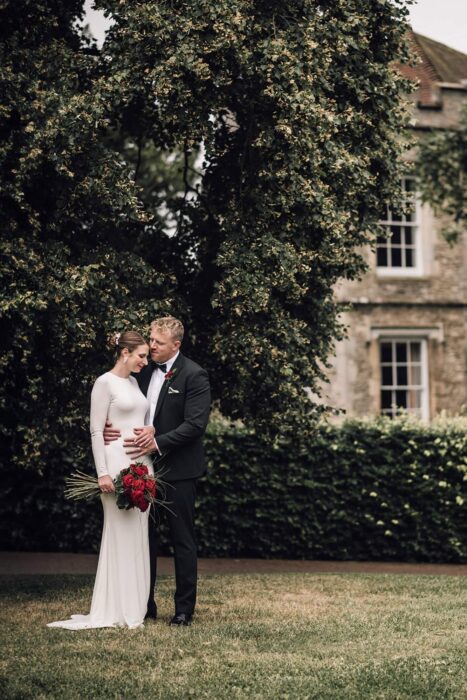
x=170 y=375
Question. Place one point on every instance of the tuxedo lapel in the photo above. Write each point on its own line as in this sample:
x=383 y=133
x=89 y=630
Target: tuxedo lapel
x=177 y=365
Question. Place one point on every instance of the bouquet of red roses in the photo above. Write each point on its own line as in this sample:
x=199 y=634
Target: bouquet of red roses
x=135 y=487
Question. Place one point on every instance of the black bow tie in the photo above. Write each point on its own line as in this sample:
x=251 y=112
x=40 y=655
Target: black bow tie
x=163 y=368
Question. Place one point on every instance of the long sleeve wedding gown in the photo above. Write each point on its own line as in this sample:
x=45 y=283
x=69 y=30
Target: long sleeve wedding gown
x=121 y=588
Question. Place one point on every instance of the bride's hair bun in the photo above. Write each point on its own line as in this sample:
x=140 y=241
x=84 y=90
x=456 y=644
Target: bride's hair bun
x=128 y=339
x=113 y=341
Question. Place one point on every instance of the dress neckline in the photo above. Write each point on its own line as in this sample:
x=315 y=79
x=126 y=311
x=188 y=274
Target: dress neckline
x=125 y=379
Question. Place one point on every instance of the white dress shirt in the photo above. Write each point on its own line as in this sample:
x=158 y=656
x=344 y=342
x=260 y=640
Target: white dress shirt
x=154 y=389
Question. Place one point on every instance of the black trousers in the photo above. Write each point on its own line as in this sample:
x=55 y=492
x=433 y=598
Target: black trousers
x=181 y=501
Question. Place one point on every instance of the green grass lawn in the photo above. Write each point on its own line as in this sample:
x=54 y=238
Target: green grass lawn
x=254 y=636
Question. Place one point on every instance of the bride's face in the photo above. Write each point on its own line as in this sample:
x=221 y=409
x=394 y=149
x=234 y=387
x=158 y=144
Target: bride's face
x=138 y=358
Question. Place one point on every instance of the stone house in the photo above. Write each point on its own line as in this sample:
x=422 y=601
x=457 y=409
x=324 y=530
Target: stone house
x=407 y=317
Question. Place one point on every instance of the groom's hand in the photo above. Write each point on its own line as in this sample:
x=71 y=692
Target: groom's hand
x=110 y=434
x=142 y=444
x=134 y=451
x=144 y=436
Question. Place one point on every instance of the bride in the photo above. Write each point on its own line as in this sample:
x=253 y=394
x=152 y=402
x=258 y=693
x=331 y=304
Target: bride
x=121 y=588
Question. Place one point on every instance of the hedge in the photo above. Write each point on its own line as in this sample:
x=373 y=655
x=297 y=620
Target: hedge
x=381 y=490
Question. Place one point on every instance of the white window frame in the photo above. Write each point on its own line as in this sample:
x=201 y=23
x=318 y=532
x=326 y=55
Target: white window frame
x=417 y=270
x=424 y=386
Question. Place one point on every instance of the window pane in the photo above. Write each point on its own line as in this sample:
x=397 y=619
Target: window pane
x=415 y=352
x=409 y=185
x=408 y=235
x=386 y=352
x=382 y=257
x=409 y=257
x=386 y=399
x=396 y=235
x=396 y=257
x=401 y=399
x=402 y=375
x=414 y=399
x=381 y=240
x=401 y=352
x=402 y=369
x=415 y=375
x=386 y=376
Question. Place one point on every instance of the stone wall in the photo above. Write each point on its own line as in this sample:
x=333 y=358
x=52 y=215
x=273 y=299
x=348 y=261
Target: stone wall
x=432 y=304
x=355 y=374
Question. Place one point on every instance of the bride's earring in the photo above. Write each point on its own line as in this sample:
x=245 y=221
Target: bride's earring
x=125 y=360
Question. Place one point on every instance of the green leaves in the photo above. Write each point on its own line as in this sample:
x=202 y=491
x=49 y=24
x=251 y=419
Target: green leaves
x=219 y=161
x=442 y=172
x=384 y=490
x=73 y=228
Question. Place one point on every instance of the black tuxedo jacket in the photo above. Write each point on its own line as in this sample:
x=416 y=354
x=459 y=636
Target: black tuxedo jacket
x=180 y=418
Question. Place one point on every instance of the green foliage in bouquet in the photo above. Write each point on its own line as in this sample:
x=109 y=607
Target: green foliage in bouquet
x=122 y=501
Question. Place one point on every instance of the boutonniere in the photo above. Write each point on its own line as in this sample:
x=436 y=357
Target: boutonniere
x=170 y=375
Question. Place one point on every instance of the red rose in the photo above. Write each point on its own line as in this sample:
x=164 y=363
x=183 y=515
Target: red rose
x=127 y=481
x=143 y=505
x=136 y=496
x=151 y=487
x=141 y=470
x=139 y=500
x=138 y=485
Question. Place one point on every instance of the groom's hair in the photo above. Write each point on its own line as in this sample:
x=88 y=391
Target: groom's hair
x=171 y=325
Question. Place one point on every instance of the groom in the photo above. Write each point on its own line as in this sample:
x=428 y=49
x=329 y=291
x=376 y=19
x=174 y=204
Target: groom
x=180 y=399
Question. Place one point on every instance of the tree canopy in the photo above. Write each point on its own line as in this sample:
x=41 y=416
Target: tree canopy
x=442 y=172
x=266 y=133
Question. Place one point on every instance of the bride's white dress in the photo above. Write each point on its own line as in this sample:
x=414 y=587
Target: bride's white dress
x=121 y=588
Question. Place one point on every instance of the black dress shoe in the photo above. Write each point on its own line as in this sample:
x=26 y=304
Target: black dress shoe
x=181 y=620
x=151 y=613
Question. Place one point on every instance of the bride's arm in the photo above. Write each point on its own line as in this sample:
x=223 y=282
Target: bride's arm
x=100 y=402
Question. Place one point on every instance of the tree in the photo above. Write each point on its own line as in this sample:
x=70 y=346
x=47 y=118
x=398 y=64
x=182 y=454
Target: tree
x=442 y=171
x=296 y=107
x=73 y=233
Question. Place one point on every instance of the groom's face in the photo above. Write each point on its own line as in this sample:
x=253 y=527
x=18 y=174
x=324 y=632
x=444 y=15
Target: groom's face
x=162 y=345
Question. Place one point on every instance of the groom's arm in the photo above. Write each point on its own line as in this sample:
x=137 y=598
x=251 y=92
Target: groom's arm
x=196 y=415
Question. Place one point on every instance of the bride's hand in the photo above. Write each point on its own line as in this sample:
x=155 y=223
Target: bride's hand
x=106 y=484
x=144 y=436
